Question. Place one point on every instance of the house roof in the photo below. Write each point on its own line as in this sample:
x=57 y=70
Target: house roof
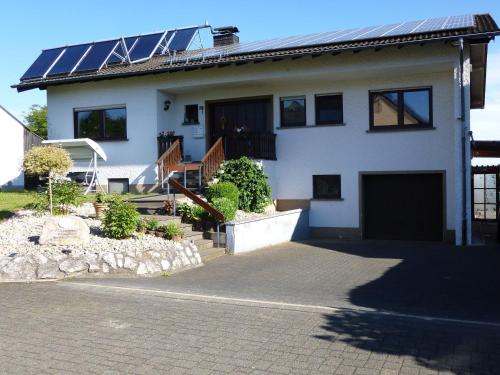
x=484 y=30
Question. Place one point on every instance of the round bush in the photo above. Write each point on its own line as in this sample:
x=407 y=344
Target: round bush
x=226 y=206
x=249 y=178
x=223 y=190
x=120 y=219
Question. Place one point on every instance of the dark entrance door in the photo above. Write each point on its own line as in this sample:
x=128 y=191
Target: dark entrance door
x=403 y=206
x=239 y=121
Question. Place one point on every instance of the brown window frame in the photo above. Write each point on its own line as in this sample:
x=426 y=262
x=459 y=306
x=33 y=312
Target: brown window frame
x=101 y=124
x=316 y=108
x=282 y=110
x=400 y=125
x=315 y=188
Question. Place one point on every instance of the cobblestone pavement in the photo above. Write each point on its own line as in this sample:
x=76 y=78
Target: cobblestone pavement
x=433 y=279
x=70 y=328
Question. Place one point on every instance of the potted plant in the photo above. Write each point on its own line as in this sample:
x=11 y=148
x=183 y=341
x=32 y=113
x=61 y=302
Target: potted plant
x=197 y=215
x=184 y=210
x=173 y=231
x=151 y=226
x=100 y=204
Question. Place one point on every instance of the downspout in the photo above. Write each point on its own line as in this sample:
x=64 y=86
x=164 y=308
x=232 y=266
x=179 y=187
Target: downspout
x=463 y=139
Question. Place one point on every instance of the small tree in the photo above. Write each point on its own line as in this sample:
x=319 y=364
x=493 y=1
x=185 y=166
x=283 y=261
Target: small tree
x=36 y=119
x=49 y=161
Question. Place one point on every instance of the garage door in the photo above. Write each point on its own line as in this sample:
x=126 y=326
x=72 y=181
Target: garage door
x=403 y=206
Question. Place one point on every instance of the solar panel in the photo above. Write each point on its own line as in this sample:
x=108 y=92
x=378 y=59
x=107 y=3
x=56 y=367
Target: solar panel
x=182 y=39
x=96 y=57
x=145 y=46
x=396 y=29
x=42 y=63
x=69 y=59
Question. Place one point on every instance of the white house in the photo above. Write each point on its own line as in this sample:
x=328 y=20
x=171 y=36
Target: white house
x=15 y=140
x=368 y=127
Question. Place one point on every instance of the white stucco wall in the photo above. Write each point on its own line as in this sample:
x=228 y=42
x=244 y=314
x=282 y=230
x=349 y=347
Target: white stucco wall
x=11 y=151
x=345 y=150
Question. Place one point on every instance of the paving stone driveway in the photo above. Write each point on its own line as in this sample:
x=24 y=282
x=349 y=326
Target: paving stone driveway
x=431 y=279
x=138 y=327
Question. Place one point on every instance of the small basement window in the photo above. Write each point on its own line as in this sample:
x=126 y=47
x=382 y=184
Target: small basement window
x=329 y=109
x=402 y=109
x=101 y=124
x=293 y=111
x=327 y=187
x=118 y=186
x=191 y=114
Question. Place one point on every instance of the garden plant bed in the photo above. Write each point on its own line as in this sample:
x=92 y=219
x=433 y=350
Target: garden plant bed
x=23 y=258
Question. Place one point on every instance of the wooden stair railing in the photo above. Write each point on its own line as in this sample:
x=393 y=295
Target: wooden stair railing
x=213 y=159
x=168 y=160
x=216 y=214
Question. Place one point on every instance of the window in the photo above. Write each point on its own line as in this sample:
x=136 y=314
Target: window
x=329 y=109
x=326 y=186
x=118 y=186
x=485 y=196
x=293 y=111
x=101 y=124
x=402 y=109
x=191 y=114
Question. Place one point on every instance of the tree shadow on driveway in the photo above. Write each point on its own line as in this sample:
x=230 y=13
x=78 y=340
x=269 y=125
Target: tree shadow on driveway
x=433 y=279
x=401 y=345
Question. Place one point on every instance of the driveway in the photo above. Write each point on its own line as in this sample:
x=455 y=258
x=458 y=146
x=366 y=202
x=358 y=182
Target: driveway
x=227 y=317
x=431 y=279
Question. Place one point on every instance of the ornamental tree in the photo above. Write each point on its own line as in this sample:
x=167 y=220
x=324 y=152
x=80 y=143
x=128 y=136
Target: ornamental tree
x=47 y=161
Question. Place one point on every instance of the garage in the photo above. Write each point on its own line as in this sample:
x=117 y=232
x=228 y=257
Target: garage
x=403 y=206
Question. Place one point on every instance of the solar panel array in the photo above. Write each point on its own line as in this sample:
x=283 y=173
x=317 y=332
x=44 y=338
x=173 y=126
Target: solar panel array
x=92 y=57
x=350 y=35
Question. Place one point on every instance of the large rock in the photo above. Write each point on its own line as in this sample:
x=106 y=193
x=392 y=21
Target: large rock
x=49 y=270
x=73 y=265
x=64 y=230
x=20 y=268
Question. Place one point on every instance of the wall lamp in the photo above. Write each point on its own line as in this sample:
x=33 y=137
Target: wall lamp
x=166 y=105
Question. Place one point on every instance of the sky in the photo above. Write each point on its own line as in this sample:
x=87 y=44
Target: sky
x=30 y=26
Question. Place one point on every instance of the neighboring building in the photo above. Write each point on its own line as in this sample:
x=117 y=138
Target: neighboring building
x=15 y=140
x=368 y=127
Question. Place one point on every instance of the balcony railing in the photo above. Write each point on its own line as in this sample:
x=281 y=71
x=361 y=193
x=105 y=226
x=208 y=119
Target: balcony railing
x=252 y=145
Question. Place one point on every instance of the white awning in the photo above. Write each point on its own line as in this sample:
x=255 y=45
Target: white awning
x=79 y=148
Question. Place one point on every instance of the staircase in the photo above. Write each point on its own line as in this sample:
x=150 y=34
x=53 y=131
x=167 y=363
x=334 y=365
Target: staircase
x=153 y=207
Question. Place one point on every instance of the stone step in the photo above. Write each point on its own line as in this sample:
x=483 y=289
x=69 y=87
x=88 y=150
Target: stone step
x=203 y=244
x=209 y=254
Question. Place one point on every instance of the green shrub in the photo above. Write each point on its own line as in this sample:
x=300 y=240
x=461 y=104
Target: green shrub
x=120 y=219
x=65 y=194
x=101 y=197
x=223 y=190
x=185 y=210
x=152 y=224
x=40 y=202
x=172 y=230
x=226 y=206
x=198 y=213
x=249 y=178
x=141 y=226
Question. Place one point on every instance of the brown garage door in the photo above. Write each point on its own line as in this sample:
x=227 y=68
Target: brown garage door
x=403 y=206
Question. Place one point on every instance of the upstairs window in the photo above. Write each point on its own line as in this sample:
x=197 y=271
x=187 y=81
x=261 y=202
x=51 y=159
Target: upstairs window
x=402 y=109
x=293 y=111
x=329 y=109
x=191 y=114
x=327 y=187
x=101 y=124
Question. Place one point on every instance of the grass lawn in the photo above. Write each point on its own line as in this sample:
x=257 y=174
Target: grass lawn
x=12 y=201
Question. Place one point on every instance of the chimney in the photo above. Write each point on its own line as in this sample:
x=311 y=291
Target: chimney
x=226 y=36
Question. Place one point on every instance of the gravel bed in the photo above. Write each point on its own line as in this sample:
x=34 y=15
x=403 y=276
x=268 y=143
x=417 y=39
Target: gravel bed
x=19 y=235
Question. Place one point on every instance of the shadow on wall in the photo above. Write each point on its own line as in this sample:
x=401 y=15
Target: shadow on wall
x=148 y=178
x=398 y=344
x=432 y=279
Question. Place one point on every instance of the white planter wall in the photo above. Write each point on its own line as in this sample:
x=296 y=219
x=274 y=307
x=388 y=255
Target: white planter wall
x=11 y=152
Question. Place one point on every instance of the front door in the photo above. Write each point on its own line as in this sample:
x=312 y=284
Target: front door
x=236 y=119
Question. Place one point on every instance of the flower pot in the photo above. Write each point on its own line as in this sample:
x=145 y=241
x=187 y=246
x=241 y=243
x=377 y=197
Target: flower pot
x=99 y=209
x=177 y=238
